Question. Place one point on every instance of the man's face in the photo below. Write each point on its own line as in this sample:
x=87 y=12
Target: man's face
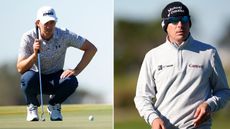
x=47 y=29
x=178 y=29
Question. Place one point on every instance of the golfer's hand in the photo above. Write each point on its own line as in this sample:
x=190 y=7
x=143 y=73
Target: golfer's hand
x=67 y=73
x=202 y=113
x=158 y=124
x=36 y=46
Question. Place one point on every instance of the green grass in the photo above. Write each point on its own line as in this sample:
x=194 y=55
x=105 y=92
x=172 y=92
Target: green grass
x=75 y=117
x=128 y=119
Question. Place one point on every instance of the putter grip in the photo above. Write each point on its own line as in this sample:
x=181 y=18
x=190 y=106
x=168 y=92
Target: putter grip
x=37 y=35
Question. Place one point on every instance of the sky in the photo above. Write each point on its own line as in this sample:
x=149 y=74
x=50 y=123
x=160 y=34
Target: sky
x=209 y=17
x=88 y=18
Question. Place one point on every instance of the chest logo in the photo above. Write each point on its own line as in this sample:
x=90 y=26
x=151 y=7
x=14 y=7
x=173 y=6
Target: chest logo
x=196 y=66
x=160 y=67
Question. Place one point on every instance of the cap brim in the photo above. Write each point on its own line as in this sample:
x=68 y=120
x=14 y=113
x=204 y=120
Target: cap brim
x=44 y=20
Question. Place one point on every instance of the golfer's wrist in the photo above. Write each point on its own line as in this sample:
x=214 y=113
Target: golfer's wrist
x=76 y=71
x=152 y=117
x=34 y=56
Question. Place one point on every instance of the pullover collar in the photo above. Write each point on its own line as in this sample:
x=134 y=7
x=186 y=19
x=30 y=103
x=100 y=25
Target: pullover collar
x=182 y=45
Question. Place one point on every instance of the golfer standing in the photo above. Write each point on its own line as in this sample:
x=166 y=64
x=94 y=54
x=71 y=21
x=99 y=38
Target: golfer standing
x=52 y=44
x=182 y=81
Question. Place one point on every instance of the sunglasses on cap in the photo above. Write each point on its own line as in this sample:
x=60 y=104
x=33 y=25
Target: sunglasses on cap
x=175 y=20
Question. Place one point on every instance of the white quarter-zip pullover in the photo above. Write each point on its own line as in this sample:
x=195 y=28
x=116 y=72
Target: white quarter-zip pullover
x=173 y=81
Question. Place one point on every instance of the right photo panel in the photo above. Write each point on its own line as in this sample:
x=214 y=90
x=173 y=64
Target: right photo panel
x=171 y=64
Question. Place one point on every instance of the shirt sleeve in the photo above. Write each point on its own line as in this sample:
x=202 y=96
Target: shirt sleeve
x=146 y=92
x=26 y=46
x=73 y=39
x=221 y=91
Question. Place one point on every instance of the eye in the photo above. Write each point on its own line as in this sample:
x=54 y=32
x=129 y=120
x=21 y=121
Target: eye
x=185 y=19
x=174 y=20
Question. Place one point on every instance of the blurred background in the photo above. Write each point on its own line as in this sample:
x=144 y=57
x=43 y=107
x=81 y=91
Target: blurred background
x=90 y=19
x=137 y=29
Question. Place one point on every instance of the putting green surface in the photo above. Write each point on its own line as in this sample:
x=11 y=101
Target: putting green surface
x=74 y=117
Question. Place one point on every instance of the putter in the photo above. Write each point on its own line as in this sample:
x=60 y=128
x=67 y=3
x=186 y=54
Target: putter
x=40 y=79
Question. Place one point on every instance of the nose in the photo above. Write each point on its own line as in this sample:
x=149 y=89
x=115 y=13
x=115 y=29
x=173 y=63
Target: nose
x=49 y=26
x=179 y=23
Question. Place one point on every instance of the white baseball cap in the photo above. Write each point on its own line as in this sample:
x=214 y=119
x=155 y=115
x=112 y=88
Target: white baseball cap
x=45 y=14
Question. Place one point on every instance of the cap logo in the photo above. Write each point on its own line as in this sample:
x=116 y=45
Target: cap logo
x=173 y=10
x=48 y=13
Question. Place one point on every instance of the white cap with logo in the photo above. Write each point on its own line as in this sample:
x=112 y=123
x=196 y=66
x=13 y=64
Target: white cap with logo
x=45 y=14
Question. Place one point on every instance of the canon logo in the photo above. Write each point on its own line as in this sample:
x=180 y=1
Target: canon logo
x=195 y=66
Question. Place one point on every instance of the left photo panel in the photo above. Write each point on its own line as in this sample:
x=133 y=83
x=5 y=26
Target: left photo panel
x=56 y=64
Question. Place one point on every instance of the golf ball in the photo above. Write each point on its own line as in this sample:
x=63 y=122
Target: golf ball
x=91 y=118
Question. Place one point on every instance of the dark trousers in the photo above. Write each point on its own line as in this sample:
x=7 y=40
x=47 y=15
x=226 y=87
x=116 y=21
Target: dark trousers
x=60 y=89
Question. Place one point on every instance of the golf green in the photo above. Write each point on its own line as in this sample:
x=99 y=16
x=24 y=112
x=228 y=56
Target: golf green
x=74 y=117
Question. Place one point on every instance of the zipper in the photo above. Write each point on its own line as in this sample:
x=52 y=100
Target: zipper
x=180 y=60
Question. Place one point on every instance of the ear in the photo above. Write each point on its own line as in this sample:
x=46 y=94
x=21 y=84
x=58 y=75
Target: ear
x=37 y=23
x=164 y=25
